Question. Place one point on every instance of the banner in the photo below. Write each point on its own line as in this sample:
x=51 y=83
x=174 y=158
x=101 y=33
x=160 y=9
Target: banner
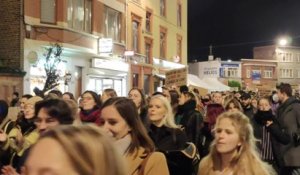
x=176 y=77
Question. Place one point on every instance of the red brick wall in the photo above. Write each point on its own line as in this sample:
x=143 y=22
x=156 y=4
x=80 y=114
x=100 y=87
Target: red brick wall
x=10 y=35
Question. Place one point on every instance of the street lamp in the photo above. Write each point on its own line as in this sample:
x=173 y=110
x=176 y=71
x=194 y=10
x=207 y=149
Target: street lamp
x=284 y=41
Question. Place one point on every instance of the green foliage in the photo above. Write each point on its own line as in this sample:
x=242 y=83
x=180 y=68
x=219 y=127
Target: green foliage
x=232 y=83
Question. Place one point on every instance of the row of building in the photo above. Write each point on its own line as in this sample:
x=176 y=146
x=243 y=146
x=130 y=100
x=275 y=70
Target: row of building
x=106 y=43
x=270 y=65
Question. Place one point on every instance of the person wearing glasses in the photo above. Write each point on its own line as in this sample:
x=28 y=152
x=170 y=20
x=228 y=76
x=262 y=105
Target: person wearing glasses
x=90 y=108
x=23 y=135
x=48 y=114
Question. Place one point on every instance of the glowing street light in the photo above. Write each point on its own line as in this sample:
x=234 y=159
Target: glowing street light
x=283 y=42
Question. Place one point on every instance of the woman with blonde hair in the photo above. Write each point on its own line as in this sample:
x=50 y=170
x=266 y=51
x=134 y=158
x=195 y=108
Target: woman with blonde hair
x=165 y=134
x=233 y=151
x=74 y=150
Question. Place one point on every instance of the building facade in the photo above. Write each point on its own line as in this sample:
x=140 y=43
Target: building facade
x=157 y=38
x=288 y=59
x=259 y=75
x=106 y=43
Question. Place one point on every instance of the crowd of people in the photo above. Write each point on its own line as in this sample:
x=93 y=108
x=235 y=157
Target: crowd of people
x=168 y=132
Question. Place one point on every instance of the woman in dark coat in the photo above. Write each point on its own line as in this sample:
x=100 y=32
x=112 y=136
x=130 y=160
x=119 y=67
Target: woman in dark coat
x=189 y=118
x=165 y=134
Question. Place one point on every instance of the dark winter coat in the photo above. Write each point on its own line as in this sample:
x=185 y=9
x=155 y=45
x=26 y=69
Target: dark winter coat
x=192 y=122
x=288 y=116
x=169 y=139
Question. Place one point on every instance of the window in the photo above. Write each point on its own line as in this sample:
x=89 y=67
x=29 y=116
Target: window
x=148 y=21
x=298 y=73
x=286 y=73
x=163 y=42
x=135 y=36
x=163 y=8
x=135 y=33
x=179 y=46
x=112 y=27
x=297 y=57
x=268 y=73
x=79 y=15
x=48 y=11
x=285 y=57
x=148 y=50
x=146 y=84
x=135 y=80
x=248 y=73
x=231 y=72
x=179 y=14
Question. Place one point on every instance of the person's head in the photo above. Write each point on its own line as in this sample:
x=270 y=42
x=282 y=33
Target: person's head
x=274 y=97
x=183 y=88
x=166 y=93
x=233 y=136
x=160 y=112
x=15 y=95
x=30 y=106
x=74 y=150
x=120 y=118
x=51 y=113
x=233 y=105
x=23 y=99
x=212 y=112
x=90 y=100
x=254 y=102
x=3 y=110
x=217 y=97
x=108 y=93
x=138 y=97
x=245 y=99
x=284 y=91
x=174 y=97
x=75 y=111
x=55 y=94
x=264 y=104
x=68 y=95
x=185 y=97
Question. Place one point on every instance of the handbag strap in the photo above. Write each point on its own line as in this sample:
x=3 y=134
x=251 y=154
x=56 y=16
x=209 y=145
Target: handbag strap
x=143 y=164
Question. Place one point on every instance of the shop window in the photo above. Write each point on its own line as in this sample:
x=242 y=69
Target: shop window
x=112 y=27
x=79 y=15
x=48 y=11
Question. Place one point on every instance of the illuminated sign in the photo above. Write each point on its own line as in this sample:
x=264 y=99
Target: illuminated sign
x=105 y=45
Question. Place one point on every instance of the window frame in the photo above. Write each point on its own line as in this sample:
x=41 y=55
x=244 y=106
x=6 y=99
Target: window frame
x=163 y=30
x=55 y=13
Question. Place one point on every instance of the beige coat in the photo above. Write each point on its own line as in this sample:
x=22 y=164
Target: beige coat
x=155 y=165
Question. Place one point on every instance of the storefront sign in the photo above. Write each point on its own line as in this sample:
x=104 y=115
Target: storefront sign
x=110 y=64
x=176 y=77
x=105 y=45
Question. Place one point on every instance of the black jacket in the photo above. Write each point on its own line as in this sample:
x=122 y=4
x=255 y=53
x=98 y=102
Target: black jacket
x=288 y=116
x=191 y=121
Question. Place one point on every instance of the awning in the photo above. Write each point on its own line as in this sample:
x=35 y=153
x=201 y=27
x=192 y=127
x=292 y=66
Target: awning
x=216 y=85
x=195 y=81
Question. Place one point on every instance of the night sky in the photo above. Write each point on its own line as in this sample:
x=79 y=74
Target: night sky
x=234 y=27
